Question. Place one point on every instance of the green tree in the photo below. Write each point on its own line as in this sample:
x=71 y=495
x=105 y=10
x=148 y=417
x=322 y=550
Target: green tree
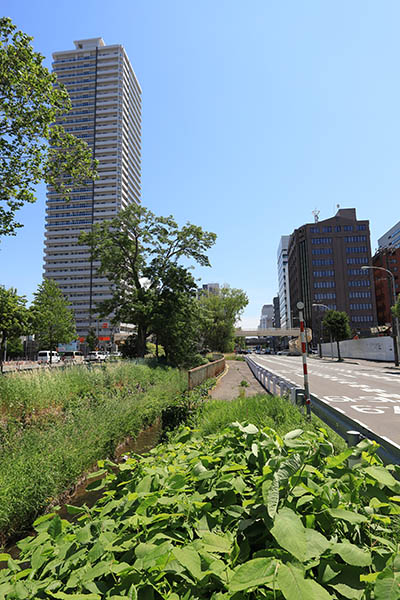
x=13 y=318
x=15 y=348
x=396 y=309
x=337 y=323
x=32 y=147
x=52 y=319
x=177 y=317
x=92 y=340
x=222 y=312
x=136 y=251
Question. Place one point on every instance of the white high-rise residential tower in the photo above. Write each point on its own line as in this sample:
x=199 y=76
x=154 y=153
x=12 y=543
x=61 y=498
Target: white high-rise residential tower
x=106 y=113
x=283 y=281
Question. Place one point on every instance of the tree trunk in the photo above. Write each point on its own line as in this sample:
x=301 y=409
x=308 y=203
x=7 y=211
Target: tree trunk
x=141 y=341
x=338 y=351
x=2 y=347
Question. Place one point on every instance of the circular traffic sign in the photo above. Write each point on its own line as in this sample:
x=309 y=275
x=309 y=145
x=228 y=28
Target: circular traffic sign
x=300 y=305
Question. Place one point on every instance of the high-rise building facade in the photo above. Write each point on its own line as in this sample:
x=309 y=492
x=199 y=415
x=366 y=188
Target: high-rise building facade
x=277 y=315
x=390 y=239
x=325 y=261
x=267 y=317
x=106 y=113
x=283 y=282
x=386 y=258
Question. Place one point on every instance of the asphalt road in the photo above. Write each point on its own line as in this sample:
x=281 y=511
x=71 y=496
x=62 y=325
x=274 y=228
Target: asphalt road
x=367 y=392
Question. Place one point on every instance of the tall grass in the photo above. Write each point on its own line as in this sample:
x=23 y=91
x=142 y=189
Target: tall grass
x=262 y=411
x=40 y=457
x=25 y=393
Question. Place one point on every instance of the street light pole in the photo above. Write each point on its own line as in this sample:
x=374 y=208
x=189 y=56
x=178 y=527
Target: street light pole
x=330 y=333
x=395 y=320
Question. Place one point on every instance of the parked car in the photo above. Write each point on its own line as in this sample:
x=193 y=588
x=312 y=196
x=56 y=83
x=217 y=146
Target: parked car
x=72 y=356
x=96 y=356
x=44 y=356
x=283 y=352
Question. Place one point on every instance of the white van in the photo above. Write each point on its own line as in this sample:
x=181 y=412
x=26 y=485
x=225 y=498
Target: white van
x=44 y=356
x=72 y=356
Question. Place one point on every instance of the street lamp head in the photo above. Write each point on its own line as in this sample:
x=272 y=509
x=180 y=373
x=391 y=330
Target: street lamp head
x=365 y=267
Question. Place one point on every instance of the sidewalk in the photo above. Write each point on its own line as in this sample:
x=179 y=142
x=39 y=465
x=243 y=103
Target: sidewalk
x=228 y=386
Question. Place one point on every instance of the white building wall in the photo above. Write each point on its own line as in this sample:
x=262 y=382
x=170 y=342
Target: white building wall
x=378 y=348
x=106 y=113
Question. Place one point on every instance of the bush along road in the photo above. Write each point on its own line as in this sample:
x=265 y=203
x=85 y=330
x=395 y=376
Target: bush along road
x=241 y=514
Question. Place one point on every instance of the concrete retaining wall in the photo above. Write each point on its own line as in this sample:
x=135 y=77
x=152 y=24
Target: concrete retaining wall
x=197 y=375
x=378 y=348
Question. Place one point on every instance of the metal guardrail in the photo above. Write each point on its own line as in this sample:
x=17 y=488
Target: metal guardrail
x=336 y=419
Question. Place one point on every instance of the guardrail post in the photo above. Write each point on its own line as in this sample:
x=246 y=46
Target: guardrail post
x=353 y=438
x=300 y=397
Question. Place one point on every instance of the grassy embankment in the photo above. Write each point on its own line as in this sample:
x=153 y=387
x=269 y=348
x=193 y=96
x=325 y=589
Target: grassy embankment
x=55 y=425
x=274 y=412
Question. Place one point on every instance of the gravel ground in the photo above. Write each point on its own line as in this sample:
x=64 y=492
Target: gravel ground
x=228 y=386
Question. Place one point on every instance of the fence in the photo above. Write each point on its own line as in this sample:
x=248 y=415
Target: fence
x=377 y=348
x=197 y=375
x=338 y=421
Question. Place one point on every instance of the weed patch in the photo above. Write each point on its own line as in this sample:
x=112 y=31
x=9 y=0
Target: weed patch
x=46 y=448
x=243 y=514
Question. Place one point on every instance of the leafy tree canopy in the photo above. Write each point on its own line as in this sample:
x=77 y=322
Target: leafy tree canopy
x=222 y=312
x=52 y=319
x=337 y=323
x=177 y=319
x=32 y=147
x=13 y=318
x=396 y=309
x=139 y=252
x=92 y=340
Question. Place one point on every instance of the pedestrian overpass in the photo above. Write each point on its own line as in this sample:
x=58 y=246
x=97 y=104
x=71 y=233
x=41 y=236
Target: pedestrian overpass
x=275 y=332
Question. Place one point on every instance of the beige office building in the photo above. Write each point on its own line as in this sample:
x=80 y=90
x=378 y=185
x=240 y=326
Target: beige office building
x=106 y=113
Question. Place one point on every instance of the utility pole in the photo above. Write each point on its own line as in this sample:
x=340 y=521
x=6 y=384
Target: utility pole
x=300 y=306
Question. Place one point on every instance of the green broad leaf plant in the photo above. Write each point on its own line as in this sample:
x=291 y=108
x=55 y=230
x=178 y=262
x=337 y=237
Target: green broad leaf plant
x=243 y=514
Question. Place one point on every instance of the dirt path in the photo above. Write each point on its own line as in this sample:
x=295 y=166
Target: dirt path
x=228 y=386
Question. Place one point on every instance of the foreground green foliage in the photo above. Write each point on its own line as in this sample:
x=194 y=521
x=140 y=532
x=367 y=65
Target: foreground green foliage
x=72 y=419
x=245 y=514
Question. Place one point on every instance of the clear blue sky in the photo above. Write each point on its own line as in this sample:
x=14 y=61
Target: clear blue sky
x=254 y=113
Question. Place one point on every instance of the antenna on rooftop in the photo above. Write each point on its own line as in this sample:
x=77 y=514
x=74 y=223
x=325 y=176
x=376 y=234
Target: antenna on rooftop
x=316 y=212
